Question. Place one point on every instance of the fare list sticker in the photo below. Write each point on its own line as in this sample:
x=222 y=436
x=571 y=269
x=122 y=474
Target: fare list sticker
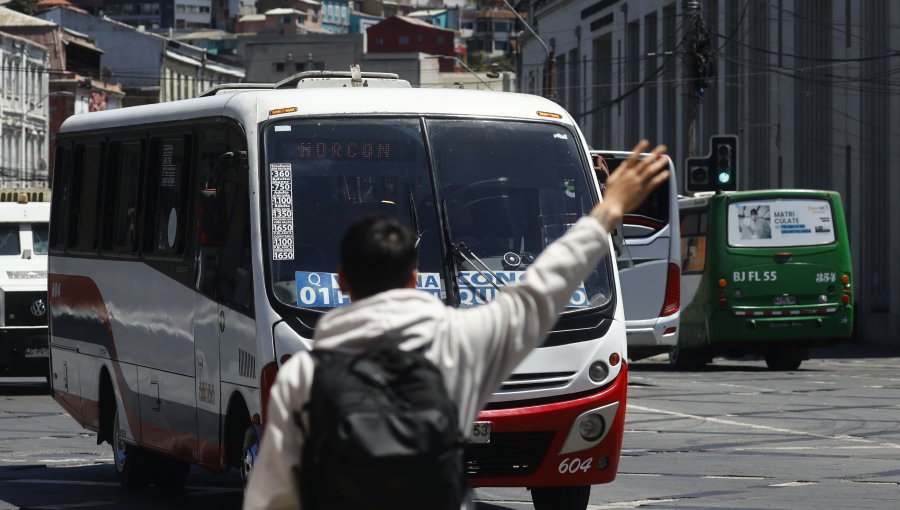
x=282 y=211
x=167 y=173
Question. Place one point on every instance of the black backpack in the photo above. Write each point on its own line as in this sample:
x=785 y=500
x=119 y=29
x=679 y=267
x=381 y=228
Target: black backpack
x=383 y=435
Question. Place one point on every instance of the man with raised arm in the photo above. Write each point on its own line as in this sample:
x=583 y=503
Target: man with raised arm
x=475 y=349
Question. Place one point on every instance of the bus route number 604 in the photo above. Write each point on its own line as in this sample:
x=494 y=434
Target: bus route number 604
x=574 y=465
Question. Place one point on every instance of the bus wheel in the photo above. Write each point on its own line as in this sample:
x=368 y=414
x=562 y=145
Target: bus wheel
x=690 y=358
x=248 y=453
x=132 y=463
x=783 y=360
x=561 y=498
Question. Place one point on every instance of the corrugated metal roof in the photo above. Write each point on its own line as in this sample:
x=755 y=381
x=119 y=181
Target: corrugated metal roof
x=11 y=18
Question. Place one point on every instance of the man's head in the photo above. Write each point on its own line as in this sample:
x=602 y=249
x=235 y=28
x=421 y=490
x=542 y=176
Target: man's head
x=753 y=214
x=378 y=253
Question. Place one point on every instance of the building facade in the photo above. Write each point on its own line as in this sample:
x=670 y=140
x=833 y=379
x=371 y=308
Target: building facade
x=24 y=113
x=402 y=34
x=272 y=58
x=809 y=88
x=75 y=83
x=155 y=68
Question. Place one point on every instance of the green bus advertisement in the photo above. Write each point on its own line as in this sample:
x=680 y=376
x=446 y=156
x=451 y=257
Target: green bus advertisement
x=764 y=273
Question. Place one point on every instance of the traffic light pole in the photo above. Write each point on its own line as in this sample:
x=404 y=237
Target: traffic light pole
x=694 y=18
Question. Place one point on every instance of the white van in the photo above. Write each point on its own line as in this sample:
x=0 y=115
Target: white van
x=24 y=214
x=649 y=265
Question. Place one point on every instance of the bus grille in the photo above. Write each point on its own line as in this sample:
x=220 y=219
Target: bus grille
x=508 y=454
x=18 y=308
x=536 y=381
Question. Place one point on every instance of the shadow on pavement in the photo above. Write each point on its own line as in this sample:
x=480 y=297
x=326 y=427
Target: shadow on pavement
x=21 y=386
x=851 y=350
x=96 y=486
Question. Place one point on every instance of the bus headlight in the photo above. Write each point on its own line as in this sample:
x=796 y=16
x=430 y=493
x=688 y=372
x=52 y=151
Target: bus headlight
x=598 y=372
x=591 y=427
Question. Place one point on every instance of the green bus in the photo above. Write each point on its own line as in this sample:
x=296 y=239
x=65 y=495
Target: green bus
x=764 y=273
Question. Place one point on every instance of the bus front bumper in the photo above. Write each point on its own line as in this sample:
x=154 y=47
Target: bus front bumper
x=24 y=352
x=533 y=446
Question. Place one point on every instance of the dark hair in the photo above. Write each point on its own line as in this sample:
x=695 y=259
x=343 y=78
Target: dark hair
x=378 y=253
x=753 y=211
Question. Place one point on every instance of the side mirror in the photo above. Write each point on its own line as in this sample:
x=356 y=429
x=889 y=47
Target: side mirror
x=26 y=253
x=228 y=162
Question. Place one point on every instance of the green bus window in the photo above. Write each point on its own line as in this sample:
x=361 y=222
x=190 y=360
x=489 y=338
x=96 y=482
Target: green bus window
x=693 y=254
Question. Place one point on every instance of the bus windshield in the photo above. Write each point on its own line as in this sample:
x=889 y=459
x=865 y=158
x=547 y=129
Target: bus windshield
x=506 y=190
x=780 y=222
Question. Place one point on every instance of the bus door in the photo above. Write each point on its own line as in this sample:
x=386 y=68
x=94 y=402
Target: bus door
x=224 y=328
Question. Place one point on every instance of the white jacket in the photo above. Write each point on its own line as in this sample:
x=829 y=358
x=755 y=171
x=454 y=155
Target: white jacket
x=474 y=348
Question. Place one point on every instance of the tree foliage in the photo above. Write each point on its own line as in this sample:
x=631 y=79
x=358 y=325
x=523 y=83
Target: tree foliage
x=24 y=6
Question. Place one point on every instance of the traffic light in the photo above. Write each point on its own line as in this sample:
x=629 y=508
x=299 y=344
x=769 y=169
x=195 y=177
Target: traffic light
x=725 y=162
x=717 y=171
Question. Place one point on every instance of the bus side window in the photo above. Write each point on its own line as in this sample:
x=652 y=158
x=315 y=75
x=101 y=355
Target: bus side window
x=62 y=174
x=693 y=241
x=85 y=211
x=165 y=218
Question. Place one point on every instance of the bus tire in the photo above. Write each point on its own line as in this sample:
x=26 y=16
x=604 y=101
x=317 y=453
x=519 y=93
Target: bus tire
x=783 y=360
x=687 y=359
x=134 y=466
x=249 y=451
x=561 y=498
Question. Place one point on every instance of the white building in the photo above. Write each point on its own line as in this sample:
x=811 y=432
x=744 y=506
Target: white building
x=24 y=118
x=808 y=87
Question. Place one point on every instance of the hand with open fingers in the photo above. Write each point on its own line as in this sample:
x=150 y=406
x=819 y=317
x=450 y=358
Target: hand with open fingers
x=631 y=183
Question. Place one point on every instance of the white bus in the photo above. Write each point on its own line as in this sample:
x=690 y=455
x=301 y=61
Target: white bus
x=195 y=245
x=24 y=214
x=650 y=265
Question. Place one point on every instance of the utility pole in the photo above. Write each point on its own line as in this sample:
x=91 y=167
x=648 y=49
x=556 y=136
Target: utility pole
x=698 y=67
x=549 y=80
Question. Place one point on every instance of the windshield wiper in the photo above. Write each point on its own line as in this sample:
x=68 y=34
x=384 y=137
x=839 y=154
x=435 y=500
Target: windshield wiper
x=414 y=217
x=450 y=251
x=462 y=249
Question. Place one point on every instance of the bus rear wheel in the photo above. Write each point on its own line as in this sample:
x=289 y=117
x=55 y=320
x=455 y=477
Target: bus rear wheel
x=561 y=498
x=688 y=358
